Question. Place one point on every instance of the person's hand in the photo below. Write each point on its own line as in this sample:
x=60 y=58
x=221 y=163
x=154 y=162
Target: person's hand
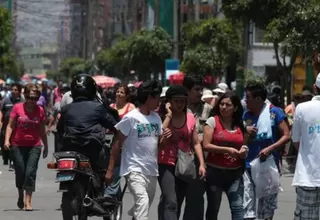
x=45 y=152
x=233 y=152
x=108 y=177
x=264 y=153
x=202 y=171
x=6 y=146
x=252 y=130
x=166 y=133
x=168 y=108
x=243 y=152
x=48 y=131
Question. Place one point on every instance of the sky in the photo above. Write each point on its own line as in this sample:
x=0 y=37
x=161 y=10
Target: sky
x=38 y=21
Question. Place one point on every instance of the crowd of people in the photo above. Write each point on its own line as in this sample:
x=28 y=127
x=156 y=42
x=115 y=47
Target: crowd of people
x=192 y=141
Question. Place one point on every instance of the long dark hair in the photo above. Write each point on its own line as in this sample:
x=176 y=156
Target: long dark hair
x=237 y=115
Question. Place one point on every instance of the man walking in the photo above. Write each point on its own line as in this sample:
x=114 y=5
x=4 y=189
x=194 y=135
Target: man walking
x=306 y=138
x=138 y=133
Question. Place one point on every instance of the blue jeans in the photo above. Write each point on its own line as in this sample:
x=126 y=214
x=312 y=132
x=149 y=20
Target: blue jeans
x=230 y=182
x=114 y=189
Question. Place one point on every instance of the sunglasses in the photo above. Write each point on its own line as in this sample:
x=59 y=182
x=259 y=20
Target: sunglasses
x=33 y=98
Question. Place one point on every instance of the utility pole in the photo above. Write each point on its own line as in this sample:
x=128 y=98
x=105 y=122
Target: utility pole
x=157 y=12
x=190 y=10
x=176 y=27
x=197 y=10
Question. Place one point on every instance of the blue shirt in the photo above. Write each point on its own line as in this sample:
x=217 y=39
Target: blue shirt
x=255 y=146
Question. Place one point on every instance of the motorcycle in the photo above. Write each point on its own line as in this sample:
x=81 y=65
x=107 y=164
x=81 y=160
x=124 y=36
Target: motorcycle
x=83 y=189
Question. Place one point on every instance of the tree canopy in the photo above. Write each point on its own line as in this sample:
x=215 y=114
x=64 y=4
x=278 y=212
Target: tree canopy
x=144 y=52
x=291 y=24
x=209 y=44
x=72 y=65
x=8 y=63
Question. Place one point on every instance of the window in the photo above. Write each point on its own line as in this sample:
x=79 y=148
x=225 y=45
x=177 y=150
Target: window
x=259 y=70
x=258 y=37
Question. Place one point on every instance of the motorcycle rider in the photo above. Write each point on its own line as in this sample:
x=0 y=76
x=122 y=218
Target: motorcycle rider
x=83 y=122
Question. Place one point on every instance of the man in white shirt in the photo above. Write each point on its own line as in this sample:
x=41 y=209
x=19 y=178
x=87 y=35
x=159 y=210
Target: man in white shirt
x=306 y=138
x=138 y=133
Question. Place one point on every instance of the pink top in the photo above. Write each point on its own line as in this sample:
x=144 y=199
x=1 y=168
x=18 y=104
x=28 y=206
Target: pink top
x=27 y=129
x=57 y=95
x=113 y=105
x=181 y=138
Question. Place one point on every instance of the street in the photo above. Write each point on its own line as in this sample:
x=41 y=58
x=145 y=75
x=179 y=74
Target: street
x=46 y=200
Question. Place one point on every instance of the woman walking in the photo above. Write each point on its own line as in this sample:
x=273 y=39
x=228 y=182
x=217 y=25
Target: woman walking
x=184 y=137
x=25 y=130
x=122 y=104
x=223 y=139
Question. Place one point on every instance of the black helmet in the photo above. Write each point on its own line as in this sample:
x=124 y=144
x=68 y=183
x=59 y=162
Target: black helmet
x=83 y=85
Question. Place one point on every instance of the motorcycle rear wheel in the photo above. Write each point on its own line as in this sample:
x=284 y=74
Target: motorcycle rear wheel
x=71 y=206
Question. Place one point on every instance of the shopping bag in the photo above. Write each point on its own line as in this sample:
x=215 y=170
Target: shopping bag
x=265 y=176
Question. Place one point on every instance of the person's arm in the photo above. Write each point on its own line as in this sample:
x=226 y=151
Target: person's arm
x=123 y=130
x=10 y=127
x=285 y=135
x=296 y=128
x=197 y=147
x=120 y=138
x=42 y=131
x=2 y=109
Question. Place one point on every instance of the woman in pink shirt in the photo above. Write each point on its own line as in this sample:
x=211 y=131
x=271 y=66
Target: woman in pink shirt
x=184 y=137
x=25 y=130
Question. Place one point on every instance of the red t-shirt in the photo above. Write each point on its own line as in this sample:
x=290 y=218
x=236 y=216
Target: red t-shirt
x=181 y=138
x=223 y=137
x=27 y=129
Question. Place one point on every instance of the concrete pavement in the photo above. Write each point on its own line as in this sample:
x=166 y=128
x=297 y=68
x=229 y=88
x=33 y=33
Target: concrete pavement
x=46 y=200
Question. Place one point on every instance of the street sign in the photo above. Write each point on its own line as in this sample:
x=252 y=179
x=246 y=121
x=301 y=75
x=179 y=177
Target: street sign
x=172 y=67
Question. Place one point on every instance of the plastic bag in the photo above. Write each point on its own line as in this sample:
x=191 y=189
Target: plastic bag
x=265 y=176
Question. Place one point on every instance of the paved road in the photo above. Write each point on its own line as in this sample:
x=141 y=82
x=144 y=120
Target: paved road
x=47 y=201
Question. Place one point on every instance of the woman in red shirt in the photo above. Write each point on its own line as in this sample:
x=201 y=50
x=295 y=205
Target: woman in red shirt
x=223 y=139
x=25 y=130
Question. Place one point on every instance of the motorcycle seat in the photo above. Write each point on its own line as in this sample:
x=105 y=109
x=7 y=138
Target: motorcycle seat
x=70 y=154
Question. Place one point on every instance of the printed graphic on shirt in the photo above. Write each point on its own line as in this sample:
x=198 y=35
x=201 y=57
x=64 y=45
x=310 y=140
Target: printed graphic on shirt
x=148 y=130
x=314 y=128
x=25 y=122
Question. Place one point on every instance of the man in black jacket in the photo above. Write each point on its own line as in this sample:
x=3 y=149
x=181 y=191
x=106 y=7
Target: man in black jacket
x=83 y=122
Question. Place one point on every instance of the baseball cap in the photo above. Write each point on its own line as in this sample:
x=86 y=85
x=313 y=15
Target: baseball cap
x=221 y=88
x=206 y=94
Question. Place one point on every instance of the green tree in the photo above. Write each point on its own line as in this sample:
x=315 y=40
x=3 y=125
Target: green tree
x=148 y=50
x=145 y=52
x=115 y=60
x=8 y=64
x=71 y=65
x=209 y=45
x=292 y=27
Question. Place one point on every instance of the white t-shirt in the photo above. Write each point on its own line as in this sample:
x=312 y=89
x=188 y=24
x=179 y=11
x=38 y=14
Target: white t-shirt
x=306 y=130
x=140 y=148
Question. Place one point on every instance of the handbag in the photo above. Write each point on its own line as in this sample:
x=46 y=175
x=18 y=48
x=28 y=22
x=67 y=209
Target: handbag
x=185 y=166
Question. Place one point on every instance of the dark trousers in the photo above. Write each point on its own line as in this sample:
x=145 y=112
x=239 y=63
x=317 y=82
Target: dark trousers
x=230 y=182
x=173 y=192
x=6 y=156
x=57 y=142
x=26 y=161
x=194 y=208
